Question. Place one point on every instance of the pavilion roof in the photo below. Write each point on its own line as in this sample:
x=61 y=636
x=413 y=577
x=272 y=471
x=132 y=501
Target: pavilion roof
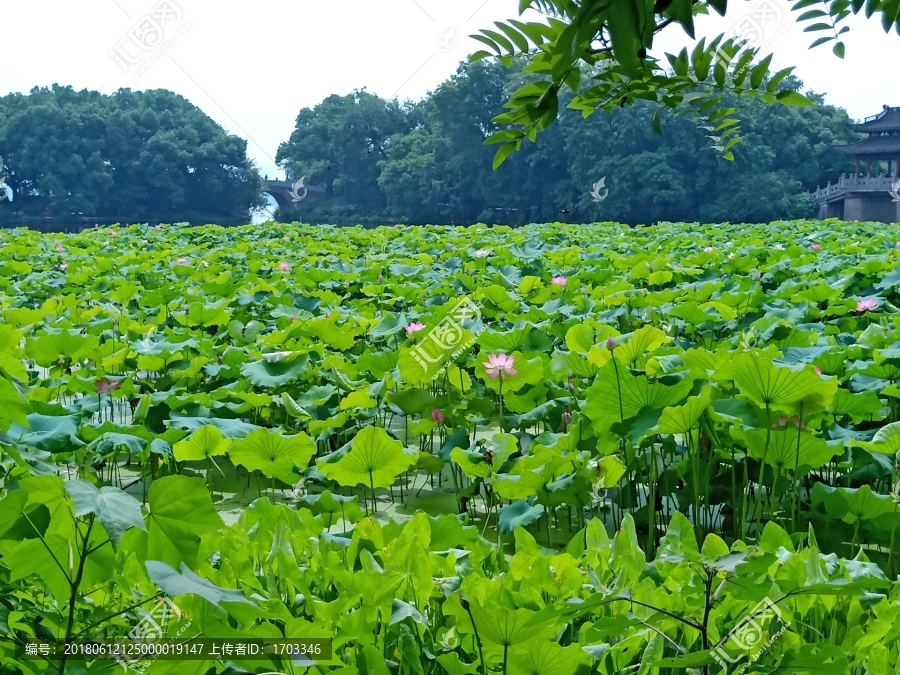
x=875 y=147
x=887 y=120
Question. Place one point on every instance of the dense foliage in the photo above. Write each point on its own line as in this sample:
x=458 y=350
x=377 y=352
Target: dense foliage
x=428 y=163
x=145 y=155
x=648 y=433
x=600 y=52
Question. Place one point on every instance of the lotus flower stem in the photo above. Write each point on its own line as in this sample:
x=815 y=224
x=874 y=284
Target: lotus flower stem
x=757 y=509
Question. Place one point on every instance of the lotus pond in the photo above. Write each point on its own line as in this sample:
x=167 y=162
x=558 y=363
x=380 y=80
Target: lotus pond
x=549 y=450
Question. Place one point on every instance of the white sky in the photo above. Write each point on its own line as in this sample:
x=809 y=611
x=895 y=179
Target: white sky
x=252 y=66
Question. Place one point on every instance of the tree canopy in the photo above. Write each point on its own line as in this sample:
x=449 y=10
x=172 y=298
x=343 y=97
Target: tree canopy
x=148 y=155
x=436 y=168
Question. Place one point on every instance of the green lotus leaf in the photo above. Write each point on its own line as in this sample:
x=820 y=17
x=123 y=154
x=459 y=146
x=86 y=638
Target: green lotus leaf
x=684 y=418
x=273 y=454
x=543 y=657
x=610 y=470
x=615 y=384
x=336 y=506
x=48 y=348
x=475 y=464
x=205 y=442
x=375 y=459
x=507 y=341
x=788 y=447
x=110 y=442
x=853 y=504
x=640 y=343
x=504 y=626
x=779 y=388
x=230 y=428
x=859 y=407
x=270 y=373
x=341 y=338
x=518 y=514
x=292 y=408
x=53 y=434
x=886 y=440
x=412 y=401
x=204 y=314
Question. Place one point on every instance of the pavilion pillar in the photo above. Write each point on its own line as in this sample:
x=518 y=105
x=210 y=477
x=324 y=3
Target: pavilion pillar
x=897 y=169
x=868 y=168
x=856 y=175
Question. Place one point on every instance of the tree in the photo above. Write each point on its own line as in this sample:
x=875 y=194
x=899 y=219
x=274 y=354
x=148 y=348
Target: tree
x=339 y=143
x=141 y=155
x=605 y=44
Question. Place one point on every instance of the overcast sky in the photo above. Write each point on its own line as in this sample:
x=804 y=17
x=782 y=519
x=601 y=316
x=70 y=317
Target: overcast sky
x=252 y=66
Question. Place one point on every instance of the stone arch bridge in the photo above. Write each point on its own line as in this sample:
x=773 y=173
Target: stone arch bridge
x=283 y=193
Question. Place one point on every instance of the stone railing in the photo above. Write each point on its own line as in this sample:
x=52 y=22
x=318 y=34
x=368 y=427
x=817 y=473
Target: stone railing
x=856 y=184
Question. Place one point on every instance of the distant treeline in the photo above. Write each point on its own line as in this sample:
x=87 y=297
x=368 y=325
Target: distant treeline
x=138 y=156
x=427 y=162
x=154 y=156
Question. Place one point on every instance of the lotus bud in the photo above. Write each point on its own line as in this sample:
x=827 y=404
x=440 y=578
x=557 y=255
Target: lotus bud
x=610 y=343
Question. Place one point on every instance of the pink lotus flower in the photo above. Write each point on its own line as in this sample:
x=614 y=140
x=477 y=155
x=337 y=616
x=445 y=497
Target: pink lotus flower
x=816 y=246
x=292 y=318
x=287 y=238
x=818 y=370
x=112 y=232
x=158 y=227
x=182 y=261
x=60 y=249
x=559 y=281
x=380 y=277
x=346 y=283
x=584 y=290
x=436 y=416
x=104 y=385
x=500 y=365
x=414 y=327
x=284 y=266
x=866 y=305
x=482 y=253
x=610 y=343
x=64 y=266
x=708 y=249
